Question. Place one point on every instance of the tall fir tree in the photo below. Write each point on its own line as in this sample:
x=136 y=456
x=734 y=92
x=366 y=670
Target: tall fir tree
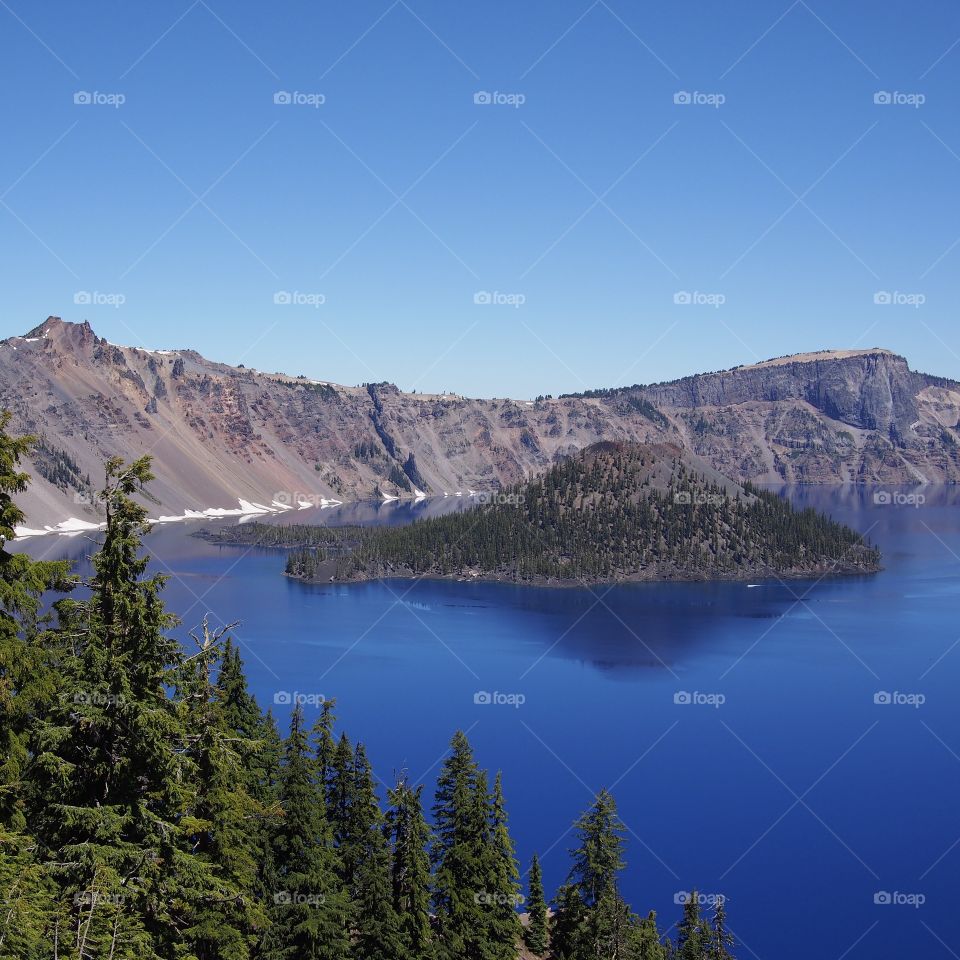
x=408 y=835
x=535 y=934
x=461 y=830
x=28 y=675
x=568 y=925
x=309 y=915
x=377 y=934
x=502 y=920
x=722 y=941
x=107 y=762
x=694 y=935
x=225 y=922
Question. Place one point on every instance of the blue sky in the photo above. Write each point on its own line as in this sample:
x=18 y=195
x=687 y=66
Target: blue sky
x=578 y=207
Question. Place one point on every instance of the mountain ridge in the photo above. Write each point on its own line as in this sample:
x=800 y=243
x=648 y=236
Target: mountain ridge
x=220 y=434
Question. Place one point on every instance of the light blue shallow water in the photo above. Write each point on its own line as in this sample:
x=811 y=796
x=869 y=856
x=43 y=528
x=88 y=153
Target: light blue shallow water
x=798 y=797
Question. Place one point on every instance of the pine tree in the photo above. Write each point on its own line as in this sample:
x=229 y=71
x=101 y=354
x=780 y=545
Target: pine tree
x=29 y=683
x=27 y=675
x=503 y=924
x=224 y=921
x=568 y=925
x=408 y=835
x=722 y=941
x=608 y=924
x=693 y=932
x=341 y=800
x=310 y=910
x=376 y=925
x=324 y=743
x=461 y=831
x=107 y=769
x=535 y=935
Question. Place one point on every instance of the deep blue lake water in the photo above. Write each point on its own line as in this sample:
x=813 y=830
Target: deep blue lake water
x=798 y=797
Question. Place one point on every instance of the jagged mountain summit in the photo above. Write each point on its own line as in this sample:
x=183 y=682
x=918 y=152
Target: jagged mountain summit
x=227 y=438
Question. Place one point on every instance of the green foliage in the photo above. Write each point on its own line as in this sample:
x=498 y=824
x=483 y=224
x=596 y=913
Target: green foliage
x=615 y=511
x=535 y=935
x=151 y=811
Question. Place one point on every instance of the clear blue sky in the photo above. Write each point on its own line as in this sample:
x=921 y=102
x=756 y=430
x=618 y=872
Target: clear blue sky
x=596 y=202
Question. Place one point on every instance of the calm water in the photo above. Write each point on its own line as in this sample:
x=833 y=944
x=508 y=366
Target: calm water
x=798 y=797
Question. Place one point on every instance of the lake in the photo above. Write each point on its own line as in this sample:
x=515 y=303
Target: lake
x=738 y=726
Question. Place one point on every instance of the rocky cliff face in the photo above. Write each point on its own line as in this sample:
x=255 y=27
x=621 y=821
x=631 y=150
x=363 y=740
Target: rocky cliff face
x=220 y=433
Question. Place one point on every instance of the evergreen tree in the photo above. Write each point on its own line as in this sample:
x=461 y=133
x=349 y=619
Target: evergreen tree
x=568 y=925
x=224 y=922
x=607 y=926
x=694 y=935
x=376 y=925
x=645 y=942
x=310 y=911
x=408 y=834
x=503 y=928
x=460 y=834
x=27 y=676
x=110 y=785
x=722 y=941
x=325 y=745
x=535 y=935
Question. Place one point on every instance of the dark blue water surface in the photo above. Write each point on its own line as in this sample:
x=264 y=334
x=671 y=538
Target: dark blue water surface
x=799 y=798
